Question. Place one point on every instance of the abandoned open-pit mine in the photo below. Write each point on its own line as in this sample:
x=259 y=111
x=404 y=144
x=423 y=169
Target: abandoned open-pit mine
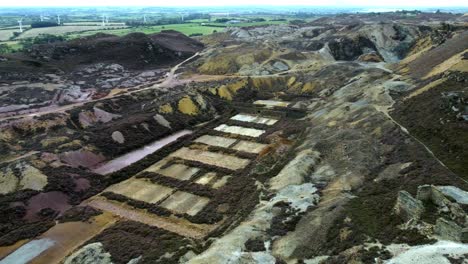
x=338 y=139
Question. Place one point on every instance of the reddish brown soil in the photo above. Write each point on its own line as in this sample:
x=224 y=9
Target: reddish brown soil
x=57 y=201
x=82 y=184
x=82 y=158
x=79 y=213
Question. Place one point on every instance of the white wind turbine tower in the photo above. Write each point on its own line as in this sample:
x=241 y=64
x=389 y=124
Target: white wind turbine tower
x=144 y=19
x=107 y=19
x=58 y=20
x=103 y=21
x=42 y=17
x=20 y=22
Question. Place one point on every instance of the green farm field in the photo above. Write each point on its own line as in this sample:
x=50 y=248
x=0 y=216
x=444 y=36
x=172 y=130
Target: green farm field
x=187 y=29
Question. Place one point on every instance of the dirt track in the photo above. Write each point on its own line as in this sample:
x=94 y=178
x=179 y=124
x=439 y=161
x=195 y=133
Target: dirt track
x=169 y=81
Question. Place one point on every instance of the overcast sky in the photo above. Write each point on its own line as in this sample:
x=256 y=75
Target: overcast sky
x=373 y=3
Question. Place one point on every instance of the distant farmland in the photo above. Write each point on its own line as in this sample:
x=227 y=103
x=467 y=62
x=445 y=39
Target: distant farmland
x=61 y=30
x=77 y=29
x=6 y=34
x=186 y=28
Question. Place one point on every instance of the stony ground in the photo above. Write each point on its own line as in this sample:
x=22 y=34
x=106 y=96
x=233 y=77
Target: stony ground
x=337 y=142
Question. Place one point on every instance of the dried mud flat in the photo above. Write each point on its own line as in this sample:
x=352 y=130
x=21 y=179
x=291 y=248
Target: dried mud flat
x=59 y=241
x=177 y=226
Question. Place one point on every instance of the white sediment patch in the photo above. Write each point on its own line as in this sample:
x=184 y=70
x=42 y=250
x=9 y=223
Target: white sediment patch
x=254 y=119
x=221 y=182
x=272 y=103
x=28 y=251
x=118 y=137
x=184 y=202
x=244 y=131
x=248 y=146
x=211 y=158
x=296 y=170
x=162 y=121
x=213 y=179
x=207 y=178
x=178 y=171
x=216 y=141
x=431 y=254
x=142 y=190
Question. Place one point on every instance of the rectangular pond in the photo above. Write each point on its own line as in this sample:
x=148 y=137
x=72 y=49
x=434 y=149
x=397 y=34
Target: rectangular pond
x=136 y=155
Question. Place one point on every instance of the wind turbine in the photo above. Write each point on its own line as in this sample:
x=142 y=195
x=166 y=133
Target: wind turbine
x=20 y=22
x=42 y=17
x=58 y=19
x=107 y=19
x=103 y=21
x=144 y=19
x=182 y=16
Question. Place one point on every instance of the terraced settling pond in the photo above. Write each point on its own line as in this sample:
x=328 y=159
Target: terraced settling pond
x=186 y=192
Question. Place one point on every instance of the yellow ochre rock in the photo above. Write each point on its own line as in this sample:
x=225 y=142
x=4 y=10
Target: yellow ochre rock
x=166 y=109
x=291 y=81
x=309 y=87
x=229 y=90
x=187 y=106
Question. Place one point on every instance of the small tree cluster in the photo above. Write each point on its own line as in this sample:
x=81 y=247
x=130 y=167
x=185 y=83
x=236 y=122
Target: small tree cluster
x=43 y=24
x=5 y=48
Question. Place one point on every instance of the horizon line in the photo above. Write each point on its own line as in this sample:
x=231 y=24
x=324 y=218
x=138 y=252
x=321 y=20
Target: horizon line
x=244 y=5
